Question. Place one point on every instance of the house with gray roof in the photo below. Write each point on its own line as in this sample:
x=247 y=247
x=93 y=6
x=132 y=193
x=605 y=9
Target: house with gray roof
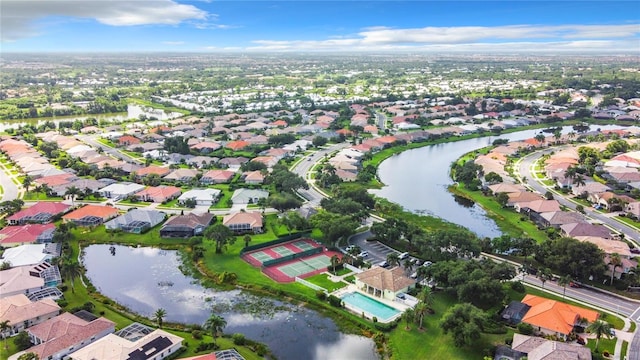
x=248 y=196
x=186 y=225
x=136 y=221
x=119 y=191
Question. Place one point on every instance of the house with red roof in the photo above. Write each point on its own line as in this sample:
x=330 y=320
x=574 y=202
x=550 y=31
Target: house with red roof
x=26 y=234
x=217 y=177
x=65 y=333
x=127 y=140
x=91 y=215
x=244 y=222
x=206 y=147
x=158 y=170
x=280 y=123
x=555 y=317
x=159 y=194
x=237 y=145
x=39 y=213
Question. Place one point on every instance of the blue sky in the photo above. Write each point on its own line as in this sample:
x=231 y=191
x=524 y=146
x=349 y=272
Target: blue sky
x=255 y=26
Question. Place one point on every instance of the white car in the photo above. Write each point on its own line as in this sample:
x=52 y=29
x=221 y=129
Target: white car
x=350 y=247
x=364 y=254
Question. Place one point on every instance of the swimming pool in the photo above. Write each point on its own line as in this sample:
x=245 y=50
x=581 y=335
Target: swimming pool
x=372 y=307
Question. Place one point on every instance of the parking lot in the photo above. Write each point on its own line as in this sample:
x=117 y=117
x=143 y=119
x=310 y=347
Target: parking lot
x=377 y=252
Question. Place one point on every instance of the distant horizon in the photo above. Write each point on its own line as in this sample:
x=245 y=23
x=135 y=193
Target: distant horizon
x=204 y=26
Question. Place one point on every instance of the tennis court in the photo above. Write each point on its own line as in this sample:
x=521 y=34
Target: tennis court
x=283 y=251
x=305 y=266
x=261 y=256
x=303 y=245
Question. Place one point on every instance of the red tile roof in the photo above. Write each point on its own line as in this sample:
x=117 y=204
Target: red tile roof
x=42 y=207
x=23 y=234
x=104 y=212
x=555 y=315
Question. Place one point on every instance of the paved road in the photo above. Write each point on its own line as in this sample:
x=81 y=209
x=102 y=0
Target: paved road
x=92 y=141
x=10 y=190
x=382 y=121
x=525 y=167
x=302 y=168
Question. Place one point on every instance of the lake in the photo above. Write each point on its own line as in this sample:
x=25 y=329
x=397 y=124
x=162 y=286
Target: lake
x=418 y=179
x=144 y=279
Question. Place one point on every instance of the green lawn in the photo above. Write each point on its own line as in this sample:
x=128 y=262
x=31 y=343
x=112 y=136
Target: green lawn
x=630 y=222
x=625 y=346
x=507 y=219
x=31 y=195
x=432 y=343
x=324 y=281
x=604 y=344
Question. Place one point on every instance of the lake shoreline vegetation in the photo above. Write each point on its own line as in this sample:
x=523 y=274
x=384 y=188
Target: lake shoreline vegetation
x=431 y=330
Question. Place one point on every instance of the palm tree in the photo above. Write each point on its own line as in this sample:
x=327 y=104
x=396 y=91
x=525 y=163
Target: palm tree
x=335 y=261
x=5 y=327
x=409 y=316
x=72 y=192
x=615 y=261
x=408 y=265
x=215 y=324
x=426 y=296
x=421 y=311
x=71 y=270
x=578 y=180
x=543 y=275
x=26 y=182
x=393 y=259
x=599 y=328
x=247 y=240
x=540 y=138
x=159 y=316
x=564 y=281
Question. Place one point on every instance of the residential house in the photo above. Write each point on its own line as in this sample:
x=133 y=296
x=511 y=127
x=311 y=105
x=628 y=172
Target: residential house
x=585 y=229
x=119 y=191
x=81 y=184
x=233 y=163
x=58 y=337
x=590 y=188
x=522 y=197
x=202 y=161
x=237 y=145
x=535 y=208
x=186 y=225
x=554 y=317
x=31 y=254
x=206 y=197
x=627 y=266
x=633 y=210
x=537 y=348
x=40 y=213
x=268 y=161
x=91 y=215
x=244 y=222
x=148 y=344
x=206 y=147
x=19 y=280
x=559 y=218
x=182 y=175
x=158 y=170
x=127 y=140
x=26 y=234
x=253 y=177
x=22 y=313
x=514 y=312
x=384 y=283
x=217 y=177
x=136 y=221
x=248 y=196
x=159 y=194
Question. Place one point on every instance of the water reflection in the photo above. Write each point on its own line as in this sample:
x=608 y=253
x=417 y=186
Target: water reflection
x=417 y=180
x=139 y=279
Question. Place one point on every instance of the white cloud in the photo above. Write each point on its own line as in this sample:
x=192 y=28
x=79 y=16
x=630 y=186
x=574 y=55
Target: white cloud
x=525 y=38
x=19 y=17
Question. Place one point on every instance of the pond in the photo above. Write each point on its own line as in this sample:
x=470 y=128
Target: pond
x=144 y=279
x=418 y=179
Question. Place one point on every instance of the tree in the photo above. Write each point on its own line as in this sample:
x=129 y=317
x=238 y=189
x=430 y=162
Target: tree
x=71 y=270
x=4 y=329
x=564 y=281
x=393 y=259
x=502 y=199
x=22 y=341
x=215 y=324
x=614 y=262
x=540 y=138
x=408 y=316
x=426 y=297
x=407 y=265
x=599 y=328
x=221 y=235
x=72 y=192
x=247 y=240
x=420 y=311
x=29 y=356
x=333 y=226
x=159 y=316
x=26 y=182
x=465 y=322
x=493 y=178
x=335 y=261
x=284 y=201
x=544 y=275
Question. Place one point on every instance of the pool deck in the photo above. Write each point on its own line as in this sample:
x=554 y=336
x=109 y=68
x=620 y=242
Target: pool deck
x=352 y=288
